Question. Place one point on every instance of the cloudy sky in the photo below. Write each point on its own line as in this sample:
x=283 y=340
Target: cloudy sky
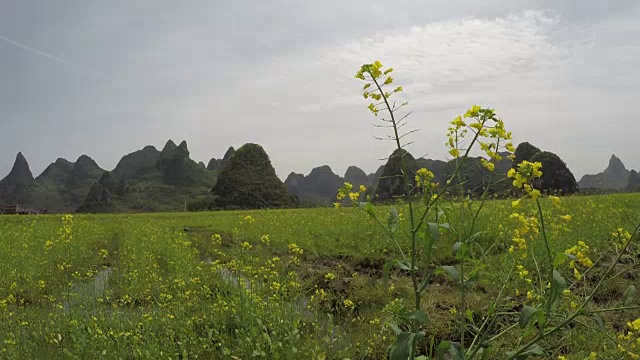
x=105 y=78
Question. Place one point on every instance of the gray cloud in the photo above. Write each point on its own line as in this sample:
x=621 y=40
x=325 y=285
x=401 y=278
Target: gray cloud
x=280 y=73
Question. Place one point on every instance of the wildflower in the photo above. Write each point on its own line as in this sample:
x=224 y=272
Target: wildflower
x=294 y=249
x=348 y=303
x=565 y=217
x=555 y=200
x=336 y=205
x=529 y=295
x=458 y=122
x=246 y=246
x=577 y=274
x=354 y=196
x=249 y=219
x=363 y=188
x=453 y=310
x=454 y=152
x=330 y=276
x=264 y=239
x=216 y=239
x=488 y=165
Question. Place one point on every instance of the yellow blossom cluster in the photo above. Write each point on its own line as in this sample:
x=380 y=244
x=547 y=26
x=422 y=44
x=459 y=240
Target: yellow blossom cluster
x=374 y=87
x=345 y=191
x=423 y=179
x=527 y=229
x=579 y=254
x=524 y=175
x=629 y=343
x=487 y=129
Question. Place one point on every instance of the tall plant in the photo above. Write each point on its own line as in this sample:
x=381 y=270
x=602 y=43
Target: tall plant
x=479 y=128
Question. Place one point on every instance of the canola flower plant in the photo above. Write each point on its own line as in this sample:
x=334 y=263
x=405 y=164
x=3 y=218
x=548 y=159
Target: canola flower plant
x=542 y=306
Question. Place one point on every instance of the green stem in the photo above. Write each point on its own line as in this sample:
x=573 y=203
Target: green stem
x=407 y=191
x=615 y=309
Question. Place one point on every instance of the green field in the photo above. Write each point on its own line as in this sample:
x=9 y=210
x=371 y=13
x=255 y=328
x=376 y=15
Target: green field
x=279 y=284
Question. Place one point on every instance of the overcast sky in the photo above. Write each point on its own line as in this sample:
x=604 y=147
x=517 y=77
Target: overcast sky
x=105 y=78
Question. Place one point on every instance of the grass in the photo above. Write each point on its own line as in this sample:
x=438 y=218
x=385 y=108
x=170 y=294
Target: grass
x=158 y=286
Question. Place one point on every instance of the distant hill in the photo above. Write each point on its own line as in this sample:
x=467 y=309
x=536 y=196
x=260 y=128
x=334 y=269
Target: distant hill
x=249 y=181
x=150 y=180
x=61 y=187
x=169 y=180
x=219 y=164
x=19 y=185
x=322 y=184
x=614 y=177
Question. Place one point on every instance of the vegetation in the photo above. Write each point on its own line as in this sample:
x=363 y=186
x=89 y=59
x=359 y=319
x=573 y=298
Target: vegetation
x=249 y=181
x=163 y=285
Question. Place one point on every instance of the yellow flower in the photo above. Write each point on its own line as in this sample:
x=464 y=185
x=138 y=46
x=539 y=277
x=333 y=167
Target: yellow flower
x=348 y=303
x=458 y=122
x=515 y=204
x=363 y=188
x=566 y=217
x=354 y=196
x=336 y=205
x=330 y=276
x=535 y=194
x=555 y=200
x=216 y=239
x=264 y=239
x=454 y=152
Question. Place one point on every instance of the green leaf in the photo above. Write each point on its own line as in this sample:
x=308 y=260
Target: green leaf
x=629 y=295
x=474 y=275
x=366 y=86
x=455 y=350
x=404 y=265
x=403 y=346
x=368 y=208
x=385 y=273
x=533 y=350
x=560 y=259
x=434 y=229
x=461 y=251
x=476 y=235
x=420 y=316
x=558 y=284
x=395 y=328
x=526 y=314
x=452 y=272
x=598 y=320
x=441 y=348
x=469 y=314
x=425 y=282
x=392 y=221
